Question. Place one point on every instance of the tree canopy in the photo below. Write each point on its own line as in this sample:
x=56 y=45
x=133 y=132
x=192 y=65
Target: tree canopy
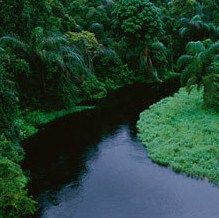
x=58 y=54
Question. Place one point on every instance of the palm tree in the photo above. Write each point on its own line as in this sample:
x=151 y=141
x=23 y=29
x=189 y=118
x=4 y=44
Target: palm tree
x=211 y=84
x=153 y=58
x=196 y=29
x=45 y=51
x=200 y=66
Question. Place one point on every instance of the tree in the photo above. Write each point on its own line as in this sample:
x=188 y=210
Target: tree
x=184 y=8
x=210 y=10
x=22 y=16
x=14 y=200
x=87 y=43
x=138 y=20
x=48 y=56
x=154 y=59
x=196 y=29
x=8 y=104
x=141 y=25
x=200 y=66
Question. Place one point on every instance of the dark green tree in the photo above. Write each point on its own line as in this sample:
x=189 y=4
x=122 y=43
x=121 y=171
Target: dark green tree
x=22 y=16
x=200 y=66
x=49 y=58
x=14 y=200
x=196 y=29
x=139 y=26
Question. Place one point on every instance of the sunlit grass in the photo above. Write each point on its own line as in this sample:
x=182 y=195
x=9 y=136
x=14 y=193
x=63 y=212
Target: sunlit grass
x=179 y=133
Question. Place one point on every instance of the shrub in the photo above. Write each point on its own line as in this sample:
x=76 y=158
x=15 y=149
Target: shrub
x=10 y=149
x=13 y=201
x=88 y=39
x=91 y=88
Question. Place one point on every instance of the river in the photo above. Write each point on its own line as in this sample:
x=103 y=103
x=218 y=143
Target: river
x=92 y=165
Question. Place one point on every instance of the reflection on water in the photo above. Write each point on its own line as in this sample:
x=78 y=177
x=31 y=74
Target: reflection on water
x=91 y=165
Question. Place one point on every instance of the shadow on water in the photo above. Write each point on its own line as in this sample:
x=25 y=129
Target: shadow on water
x=91 y=165
x=58 y=153
x=58 y=156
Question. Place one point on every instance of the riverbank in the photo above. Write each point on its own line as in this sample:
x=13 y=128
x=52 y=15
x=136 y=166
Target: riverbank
x=33 y=120
x=179 y=133
x=14 y=190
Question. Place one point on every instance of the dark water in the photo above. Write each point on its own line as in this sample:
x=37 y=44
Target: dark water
x=91 y=165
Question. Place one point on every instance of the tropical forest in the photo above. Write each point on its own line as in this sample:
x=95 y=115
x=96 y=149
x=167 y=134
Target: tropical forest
x=109 y=108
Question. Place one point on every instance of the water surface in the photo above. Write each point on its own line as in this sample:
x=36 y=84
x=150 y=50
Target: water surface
x=92 y=165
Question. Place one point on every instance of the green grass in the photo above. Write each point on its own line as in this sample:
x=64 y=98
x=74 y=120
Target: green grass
x=32 y=120
x=179 y=133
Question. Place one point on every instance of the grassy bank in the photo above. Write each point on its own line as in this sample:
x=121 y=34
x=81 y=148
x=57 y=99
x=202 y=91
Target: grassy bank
x=32 y=120
x=179 y=133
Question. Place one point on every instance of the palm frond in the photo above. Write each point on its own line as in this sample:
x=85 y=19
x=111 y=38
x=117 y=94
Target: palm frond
x=190 y=84
x=215 y=31
x=194 y=48
x=184 y=60
x=108 y=52
x=200 y=60
x=53 y=42
x=214 y=48
x=196 y=25
x=196 y=18
x=14 y=43
x=187 y=73
x=74 y=61
x=158 y=46
x=184 y=21
x=215 y=66
x=53 y=58
x=183 y=32
x=197 y=29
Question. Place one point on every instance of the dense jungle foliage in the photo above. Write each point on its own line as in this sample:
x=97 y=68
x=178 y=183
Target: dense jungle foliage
x=57 y=54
